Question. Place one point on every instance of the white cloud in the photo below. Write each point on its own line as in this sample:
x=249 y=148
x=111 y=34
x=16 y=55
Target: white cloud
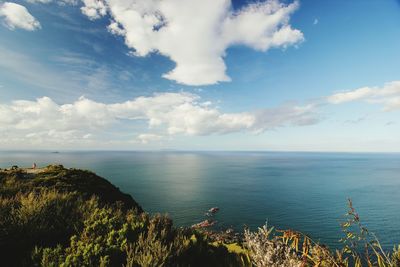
x=39 y=1
x=116 y=29
x=60 y=2
x=17 y=16
x=169 y=114
x=388 y=95
x=94 y=9
x=195 y=34
x=181 y=113
x=146 y=138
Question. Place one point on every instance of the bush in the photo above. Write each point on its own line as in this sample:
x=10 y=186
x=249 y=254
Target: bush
x=67 y=217
x=267 y=251
x=37 y=219
x=61 y=217
x=291 y=248
x=113 y=237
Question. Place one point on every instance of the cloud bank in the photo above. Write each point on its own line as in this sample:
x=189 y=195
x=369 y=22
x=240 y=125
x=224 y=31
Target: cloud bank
x=17 y=16
x=388 y=95
x=166 y=114
x=196 y=34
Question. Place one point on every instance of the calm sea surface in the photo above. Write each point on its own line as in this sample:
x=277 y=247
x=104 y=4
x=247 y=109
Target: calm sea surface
x=303 y=191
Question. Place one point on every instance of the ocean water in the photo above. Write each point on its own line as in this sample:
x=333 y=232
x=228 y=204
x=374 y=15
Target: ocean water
x=302 y=191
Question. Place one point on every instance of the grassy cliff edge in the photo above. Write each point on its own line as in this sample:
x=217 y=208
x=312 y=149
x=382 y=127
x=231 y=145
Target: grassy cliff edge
x=67 y=217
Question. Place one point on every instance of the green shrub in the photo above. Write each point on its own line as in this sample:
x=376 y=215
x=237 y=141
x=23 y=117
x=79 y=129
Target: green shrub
x=45 y=218
x=61 y=217
x=113 y=237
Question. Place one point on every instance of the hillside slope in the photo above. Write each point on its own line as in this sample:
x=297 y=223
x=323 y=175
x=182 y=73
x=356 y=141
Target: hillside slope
x=67 y=217
x=56 y=177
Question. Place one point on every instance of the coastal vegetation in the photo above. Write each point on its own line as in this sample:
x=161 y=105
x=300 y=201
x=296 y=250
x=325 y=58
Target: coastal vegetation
x=67 y=217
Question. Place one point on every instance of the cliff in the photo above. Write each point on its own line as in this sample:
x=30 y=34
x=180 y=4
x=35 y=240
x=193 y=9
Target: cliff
x=56 y=177
x=67 y=217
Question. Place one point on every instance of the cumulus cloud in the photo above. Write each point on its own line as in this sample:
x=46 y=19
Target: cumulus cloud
x=94 y=9
x=167 y=114
x=60 y=2
x=388 y=95
x=195 y=34
x=146 y=138
x=17 y=16
x=39 y=1
x=71 y=2
x=114 y=28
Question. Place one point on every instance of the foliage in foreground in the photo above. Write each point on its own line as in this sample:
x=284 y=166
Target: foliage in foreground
x=276 y=248
x=113 y=237
x=52 y=227
x=61 y=217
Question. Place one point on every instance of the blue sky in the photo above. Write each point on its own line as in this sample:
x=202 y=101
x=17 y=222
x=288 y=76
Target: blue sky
x=297 y=76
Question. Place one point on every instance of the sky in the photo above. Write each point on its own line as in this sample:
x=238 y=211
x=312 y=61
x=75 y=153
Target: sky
x=308 y=75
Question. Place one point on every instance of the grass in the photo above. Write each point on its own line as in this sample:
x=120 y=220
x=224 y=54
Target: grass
x=233 y=247
x=269 y=247
x=67 y=217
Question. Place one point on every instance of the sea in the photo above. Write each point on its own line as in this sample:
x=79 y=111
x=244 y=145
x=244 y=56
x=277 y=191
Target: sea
x=307 y=192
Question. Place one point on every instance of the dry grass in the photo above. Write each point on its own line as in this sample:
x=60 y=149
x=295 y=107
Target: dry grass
x=292 y=248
